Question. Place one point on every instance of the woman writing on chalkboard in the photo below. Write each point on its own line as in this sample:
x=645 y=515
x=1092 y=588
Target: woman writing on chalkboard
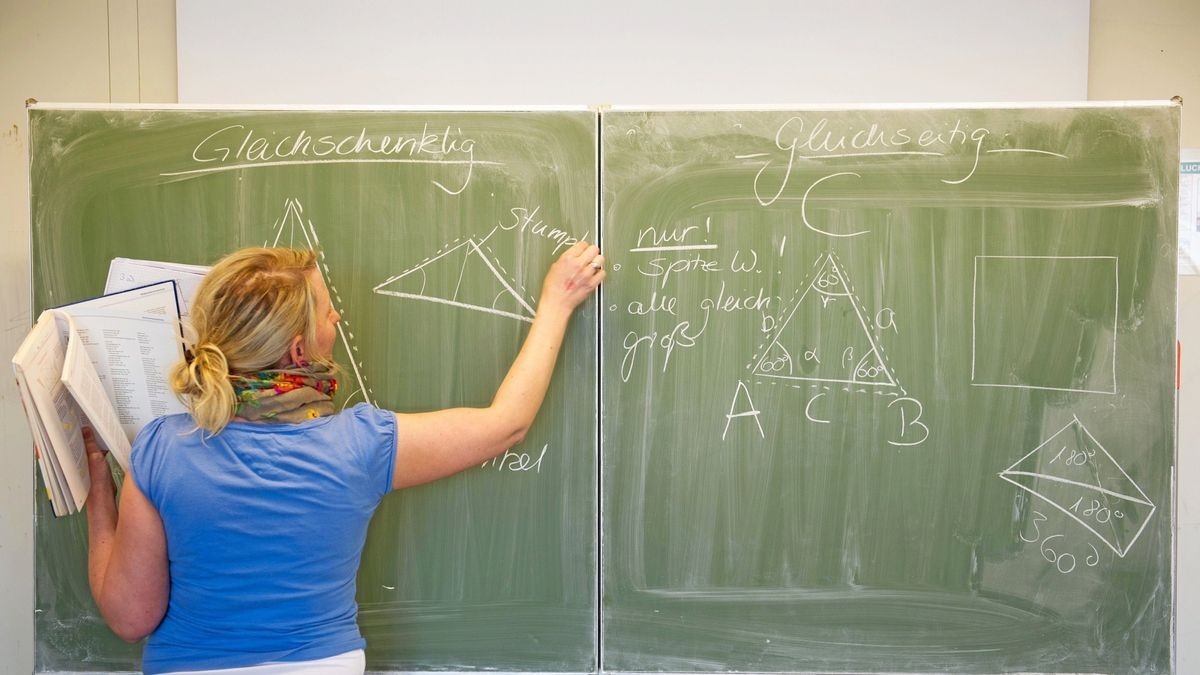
x=242 y=524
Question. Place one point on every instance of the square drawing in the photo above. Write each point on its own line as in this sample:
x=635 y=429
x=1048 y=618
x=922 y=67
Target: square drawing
x=1045 y=322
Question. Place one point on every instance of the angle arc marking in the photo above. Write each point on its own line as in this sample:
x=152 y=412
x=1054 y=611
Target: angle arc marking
x=472 y=247
x=779 y=331
x=862 y=322
x=821 y=263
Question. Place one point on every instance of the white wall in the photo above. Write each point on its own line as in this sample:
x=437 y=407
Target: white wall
x=1150 y=50
x=125 y=50
x=630 y=51
x=83 y=50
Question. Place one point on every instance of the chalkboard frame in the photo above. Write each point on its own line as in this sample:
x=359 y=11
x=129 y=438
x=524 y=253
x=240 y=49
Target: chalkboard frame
x=598 y=482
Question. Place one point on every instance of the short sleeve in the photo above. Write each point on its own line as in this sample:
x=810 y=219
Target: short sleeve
x=146 y=458
x=374 y=439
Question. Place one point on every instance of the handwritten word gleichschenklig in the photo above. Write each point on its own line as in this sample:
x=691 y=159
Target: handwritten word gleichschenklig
x=239 y=147
x=822 y=140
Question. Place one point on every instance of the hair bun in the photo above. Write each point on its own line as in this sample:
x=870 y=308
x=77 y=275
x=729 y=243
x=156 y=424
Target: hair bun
x=208 y=359
x=244 y=315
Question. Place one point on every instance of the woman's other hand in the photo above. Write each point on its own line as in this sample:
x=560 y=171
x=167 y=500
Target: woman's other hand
x=101 y=475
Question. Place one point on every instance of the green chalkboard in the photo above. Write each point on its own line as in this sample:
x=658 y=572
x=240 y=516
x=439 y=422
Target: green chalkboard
x=435 y=229
x=881 y=390
x=889 y=390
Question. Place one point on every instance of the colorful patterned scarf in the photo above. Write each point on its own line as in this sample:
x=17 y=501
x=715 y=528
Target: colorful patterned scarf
x=284 y=396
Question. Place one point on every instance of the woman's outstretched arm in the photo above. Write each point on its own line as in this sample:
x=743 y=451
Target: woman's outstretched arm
x=437 y=444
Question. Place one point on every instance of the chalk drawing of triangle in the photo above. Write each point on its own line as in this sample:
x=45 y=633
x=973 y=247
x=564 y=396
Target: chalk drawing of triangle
x=462 y=276
x=1075 y=474
x=824 y=336
x=293 y=230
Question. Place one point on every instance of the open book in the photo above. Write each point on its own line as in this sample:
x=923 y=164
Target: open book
x=103 y=363
x=127 y=273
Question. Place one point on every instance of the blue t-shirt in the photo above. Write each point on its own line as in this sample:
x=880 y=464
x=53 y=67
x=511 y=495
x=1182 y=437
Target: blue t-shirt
x=265 y=526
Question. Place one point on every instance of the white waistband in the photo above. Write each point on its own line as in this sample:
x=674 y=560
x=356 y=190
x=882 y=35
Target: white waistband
x=350 y=663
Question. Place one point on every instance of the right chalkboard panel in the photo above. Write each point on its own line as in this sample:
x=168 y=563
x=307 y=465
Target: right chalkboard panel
x=889 y=390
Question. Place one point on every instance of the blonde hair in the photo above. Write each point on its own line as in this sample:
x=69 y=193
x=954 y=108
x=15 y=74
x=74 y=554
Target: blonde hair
x=246 y=313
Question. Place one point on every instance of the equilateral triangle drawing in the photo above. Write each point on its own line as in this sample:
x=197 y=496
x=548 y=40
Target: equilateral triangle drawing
x=824 y=335
x=461 y=276
x=293 y=230
x=1072 y=472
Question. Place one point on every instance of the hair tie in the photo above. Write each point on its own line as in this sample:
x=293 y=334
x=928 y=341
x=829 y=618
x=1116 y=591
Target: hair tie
x=207 y=356
x=209 y=348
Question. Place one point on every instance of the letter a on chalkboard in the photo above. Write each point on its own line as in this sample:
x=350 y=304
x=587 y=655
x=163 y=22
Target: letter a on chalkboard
x=824 y=336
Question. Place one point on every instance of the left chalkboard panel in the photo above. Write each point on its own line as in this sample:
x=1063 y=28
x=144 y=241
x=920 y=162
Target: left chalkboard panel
x=434 y=230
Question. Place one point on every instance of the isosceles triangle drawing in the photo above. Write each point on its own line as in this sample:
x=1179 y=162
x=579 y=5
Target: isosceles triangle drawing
x=291 y=230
